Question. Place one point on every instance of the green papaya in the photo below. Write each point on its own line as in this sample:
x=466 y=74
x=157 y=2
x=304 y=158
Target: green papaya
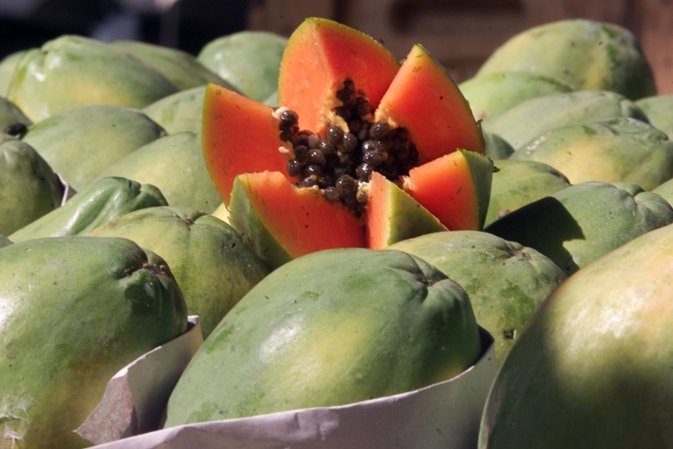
x=29 y=188
x=580 y=53
x=516 y=183
x=174 y=164
x=101 y=201
x=73 y=311
x=330 y=328
x=81 y=142
x=517 y=127
x=72 y=71
x=179 y=112
x=7 y=66
x=212 y=265
x=11 y=117
x=248 y=60
x=495 y=92
x=4 y=241
x=506 y=281
x=665 y=190
x=659 y=112
x=593 y=368
x=495 y=147
x=581 y=222
x=180 y=67
x=615 y=150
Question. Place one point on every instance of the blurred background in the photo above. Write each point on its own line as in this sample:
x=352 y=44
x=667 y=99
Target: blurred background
x=461 y=33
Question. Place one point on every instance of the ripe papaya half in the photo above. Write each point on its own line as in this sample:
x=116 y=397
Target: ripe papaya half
x=347 y=110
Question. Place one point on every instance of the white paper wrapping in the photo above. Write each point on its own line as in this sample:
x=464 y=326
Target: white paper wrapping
x=445 y=415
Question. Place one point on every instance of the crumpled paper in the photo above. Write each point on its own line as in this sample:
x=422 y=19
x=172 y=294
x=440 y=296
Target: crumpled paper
x=134 y=399
x=444 y=415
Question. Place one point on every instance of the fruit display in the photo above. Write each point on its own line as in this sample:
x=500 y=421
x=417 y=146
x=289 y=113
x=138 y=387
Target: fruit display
x=372 y=254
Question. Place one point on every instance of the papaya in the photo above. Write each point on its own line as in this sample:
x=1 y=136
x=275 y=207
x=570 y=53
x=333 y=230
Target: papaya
x=4 y=241
x=581 y=222
x=29 y=187
x=592 y=369
x=580 y=53
x=556 y=111
x=7 y=66
x=12 y=120
x=330 y=328
x=495 y=147
x=248 y=60
x=210 y=262
x=657 y=109
x=181 y=68
x=347 y=109
x=665 y=190
x=74 y=311
x=101 y=201
x=174 y=164
x=505 y=280
x=495 y=92
x=81 y=142
x=615 y=150
x=73 y=71
x=178 y=112
x=517 y=182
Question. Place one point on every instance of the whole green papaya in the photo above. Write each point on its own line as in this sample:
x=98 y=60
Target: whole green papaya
x=73 y=311
x=330 y=328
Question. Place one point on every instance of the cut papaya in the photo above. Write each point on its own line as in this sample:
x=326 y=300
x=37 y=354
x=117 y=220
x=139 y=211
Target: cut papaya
x=426 y=102
x=455 y=188
x=332 y=80
x=239 y=135
x=393 y=215
x=286 y=222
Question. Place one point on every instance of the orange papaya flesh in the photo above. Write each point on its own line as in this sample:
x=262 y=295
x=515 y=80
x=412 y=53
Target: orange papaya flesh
x=425 y=101
x=239 y=135
x=282 y=221
x=392 y=215
x=320 y=56
x=454 y=188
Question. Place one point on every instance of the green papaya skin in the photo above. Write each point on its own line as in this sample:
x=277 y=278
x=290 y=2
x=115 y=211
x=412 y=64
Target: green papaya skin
x=495 y=147
x=506 y=281
x=73 y=311
x=592 y=370
x=29 y=188
x=174 y=164
x=179 y=112
x=581 y=53
x=517 y=182
x=11 y=115
x=212 y=265
x=248 y=60
x=7 y=66
x=659 y=112
x=4 y=241
x=73 y=71
x=80 y=143
x=616 y=150
x=100 y=202
x=556 y=111
x=181 y=68
x=581 y=222
x=330 y=328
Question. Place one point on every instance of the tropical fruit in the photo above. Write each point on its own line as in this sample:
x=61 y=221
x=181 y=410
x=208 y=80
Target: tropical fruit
x=7 y=66
x=180 y=67
x=495 y=92
x=592 y=369
x=12 y=120
x=29 y=188
x=615 y=150
x=330 y=328
x=506 y=281
x=174 y=164
x=580 y=53
x=178 y=112
x=518 y=182
x=81 y=142
x=210 y=262
x=247 y=60
x=73 y=311
x=556 y=111
x=4 y=241
x=72 y=71
x=99 y=202
x=581 y=222
x=347 y=109
x=659 y=112
x=495 y=147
